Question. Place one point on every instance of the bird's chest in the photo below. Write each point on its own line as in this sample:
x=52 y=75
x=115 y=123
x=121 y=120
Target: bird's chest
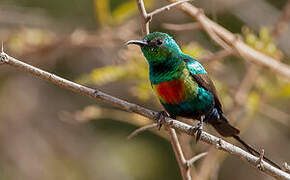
x=177 y=90
x=171 y=92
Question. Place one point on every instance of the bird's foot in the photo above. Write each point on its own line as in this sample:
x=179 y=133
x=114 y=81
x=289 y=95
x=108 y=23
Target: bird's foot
x=160 y=118
x=197 y=129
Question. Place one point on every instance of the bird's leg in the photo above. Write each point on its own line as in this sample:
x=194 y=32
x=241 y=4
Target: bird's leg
x=211 y=115
x=198 y=128
x=160 y=117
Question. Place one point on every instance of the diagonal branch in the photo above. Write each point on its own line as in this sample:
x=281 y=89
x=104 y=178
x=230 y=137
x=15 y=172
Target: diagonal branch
x=240 y=48
x=130 y=107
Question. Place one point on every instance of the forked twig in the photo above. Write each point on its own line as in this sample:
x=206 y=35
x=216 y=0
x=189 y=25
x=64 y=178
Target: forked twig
x=146 y=17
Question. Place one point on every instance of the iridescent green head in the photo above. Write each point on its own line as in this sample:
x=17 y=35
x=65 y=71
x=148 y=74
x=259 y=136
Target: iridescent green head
x=157 y=46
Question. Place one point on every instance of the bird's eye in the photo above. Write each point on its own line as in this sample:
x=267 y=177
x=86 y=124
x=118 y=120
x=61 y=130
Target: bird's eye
x=159 y=42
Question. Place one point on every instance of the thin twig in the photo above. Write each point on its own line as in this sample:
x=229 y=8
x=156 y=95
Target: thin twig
x=166 y=8
x=143 y=17
x=195 y=158
x=182 y=27
x=130 y=107
x=141 y=129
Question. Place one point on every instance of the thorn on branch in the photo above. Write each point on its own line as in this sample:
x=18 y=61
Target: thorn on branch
x=3 y=55
x=260 y=164
x=286 y=167
x=218 y=144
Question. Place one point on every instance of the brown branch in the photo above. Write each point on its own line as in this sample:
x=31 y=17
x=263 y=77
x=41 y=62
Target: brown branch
x=143 y=17
x=130 y=107
x=179 y=155
x=240 y=48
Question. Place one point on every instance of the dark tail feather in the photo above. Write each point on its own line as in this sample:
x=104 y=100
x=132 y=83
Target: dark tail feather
x=221 y=124
x=254 y=152
x=218 y=120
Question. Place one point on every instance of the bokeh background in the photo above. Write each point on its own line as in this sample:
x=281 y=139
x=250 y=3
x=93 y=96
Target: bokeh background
x=48 y=133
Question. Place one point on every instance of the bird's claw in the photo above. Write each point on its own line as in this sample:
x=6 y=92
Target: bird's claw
x=160 y=117
x=198 y=130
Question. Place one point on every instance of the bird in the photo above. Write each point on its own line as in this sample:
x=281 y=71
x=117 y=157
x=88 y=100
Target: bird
x=184 y=87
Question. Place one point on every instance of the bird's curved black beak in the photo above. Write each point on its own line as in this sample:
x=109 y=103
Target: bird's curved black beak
x=137 y=42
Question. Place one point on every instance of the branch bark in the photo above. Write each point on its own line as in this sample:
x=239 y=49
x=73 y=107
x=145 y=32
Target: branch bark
x=127 y=106
x=179 y=154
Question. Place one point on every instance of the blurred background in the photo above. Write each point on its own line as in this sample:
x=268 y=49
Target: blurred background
x=48 y=133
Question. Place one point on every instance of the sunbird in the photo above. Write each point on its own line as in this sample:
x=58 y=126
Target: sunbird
x=184 y=88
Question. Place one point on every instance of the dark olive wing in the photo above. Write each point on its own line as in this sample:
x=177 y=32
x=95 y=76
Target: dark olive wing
x=200 y=75
x=204 y=81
